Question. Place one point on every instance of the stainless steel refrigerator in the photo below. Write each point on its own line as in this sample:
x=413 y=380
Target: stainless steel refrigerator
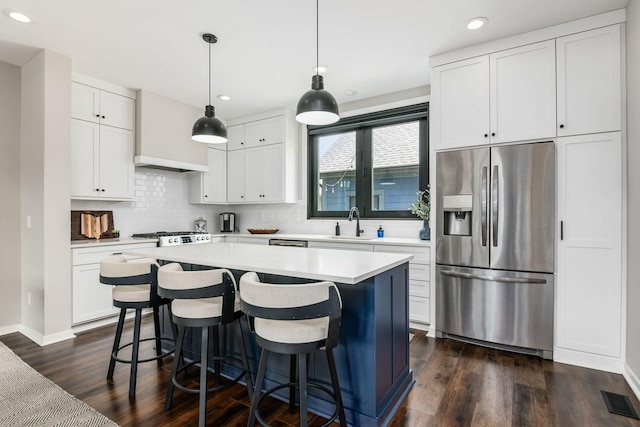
x=495 y=246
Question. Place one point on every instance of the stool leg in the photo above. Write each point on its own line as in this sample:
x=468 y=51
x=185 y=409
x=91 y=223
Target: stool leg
x=302 y=364
x=245 y=360
x=258 y=388
x=177 y=357
x=336 y=387
x=204 y=355
x=134 y=353
x=216 y=352
x=292 y=379
x=116 y=343
x=156 y=327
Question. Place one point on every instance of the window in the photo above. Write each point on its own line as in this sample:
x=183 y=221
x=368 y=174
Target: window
x=376 y=162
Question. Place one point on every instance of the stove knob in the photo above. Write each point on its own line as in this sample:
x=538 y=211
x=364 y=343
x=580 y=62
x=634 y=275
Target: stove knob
x=197 y=238
x=208 y=237
x=171 y=240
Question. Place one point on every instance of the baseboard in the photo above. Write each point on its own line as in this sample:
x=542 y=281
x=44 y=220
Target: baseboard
x=43 y=340
x=632 y=380
x=5 y=330
x=419 y=326
x=588 y=360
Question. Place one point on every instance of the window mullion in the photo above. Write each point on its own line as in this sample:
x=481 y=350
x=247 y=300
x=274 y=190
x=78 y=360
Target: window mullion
x=365 y=171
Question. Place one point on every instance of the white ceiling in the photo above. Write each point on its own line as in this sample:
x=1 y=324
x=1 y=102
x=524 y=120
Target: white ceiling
x=265 y=54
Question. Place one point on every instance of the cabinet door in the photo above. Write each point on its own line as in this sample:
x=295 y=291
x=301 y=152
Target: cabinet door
x=85 y=102
x=214 y=188
x=235 y=135
x=523 y=93
x=255 y=166
x=85 y=158
x=117 y=110
x=589 y=82
x=273 y=173
x=589 y=287
x=267 y=131
x=116 y=163
x=91 y=299
x=235 y=176
x=459 y=113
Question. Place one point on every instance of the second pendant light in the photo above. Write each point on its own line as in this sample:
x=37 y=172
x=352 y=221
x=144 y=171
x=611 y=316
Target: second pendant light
x=317 y=106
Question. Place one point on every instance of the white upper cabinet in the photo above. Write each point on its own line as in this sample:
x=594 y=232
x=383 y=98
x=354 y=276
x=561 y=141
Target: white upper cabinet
x=210 y=187
x=263 y=132
x=99 y=106
x=264 y=173
x=101 y=162
x=235 y=176
x=235 y=136
x=523 y=93
x=502 y=97
x=459 y=112
x=589 y=82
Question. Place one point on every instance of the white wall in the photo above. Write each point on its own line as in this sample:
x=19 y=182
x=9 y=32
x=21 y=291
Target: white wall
x=10 y=195
x=633 y=195
x=45 y=175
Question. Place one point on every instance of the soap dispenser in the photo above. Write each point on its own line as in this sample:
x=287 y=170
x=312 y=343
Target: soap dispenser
x=380 y=232
x=337 y=228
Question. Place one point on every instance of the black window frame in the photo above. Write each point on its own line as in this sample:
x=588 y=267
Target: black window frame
x=363 y=125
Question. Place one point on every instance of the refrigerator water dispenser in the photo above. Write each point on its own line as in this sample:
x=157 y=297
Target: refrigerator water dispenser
x=457 y=214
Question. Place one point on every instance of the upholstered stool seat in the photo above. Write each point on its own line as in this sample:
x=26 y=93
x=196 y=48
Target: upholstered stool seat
x=207 y=299
x=296 y=320
x=135 y=288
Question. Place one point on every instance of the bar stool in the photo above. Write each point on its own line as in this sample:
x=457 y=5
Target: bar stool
x=135 y=288
x=206 y=299
x=294 y=319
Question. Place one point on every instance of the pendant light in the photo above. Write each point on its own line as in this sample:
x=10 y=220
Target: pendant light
x=209 y=129
x=317 y=106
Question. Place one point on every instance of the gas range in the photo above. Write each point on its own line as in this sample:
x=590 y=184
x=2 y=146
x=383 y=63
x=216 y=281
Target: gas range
x=175 y=238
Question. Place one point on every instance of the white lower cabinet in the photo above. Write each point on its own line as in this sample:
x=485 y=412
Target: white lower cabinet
x=419 y=285
x=342 y=246
x=589 y=304
x=91 y=300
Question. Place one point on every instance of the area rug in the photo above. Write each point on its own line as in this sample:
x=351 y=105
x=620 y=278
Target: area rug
x=29 y=399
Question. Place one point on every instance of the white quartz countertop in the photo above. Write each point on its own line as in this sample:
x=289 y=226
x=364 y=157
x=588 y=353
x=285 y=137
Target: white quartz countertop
x=369 y=240
x=348 y=267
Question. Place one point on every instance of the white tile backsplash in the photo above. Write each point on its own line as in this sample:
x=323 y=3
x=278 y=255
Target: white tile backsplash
x=160 y=203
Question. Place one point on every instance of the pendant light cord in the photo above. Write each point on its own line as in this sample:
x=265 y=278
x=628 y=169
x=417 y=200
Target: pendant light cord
x=209 y=73
x=317 y=38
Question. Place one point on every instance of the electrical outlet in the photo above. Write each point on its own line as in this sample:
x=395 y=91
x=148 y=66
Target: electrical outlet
x=28 y=296
x=28 y=221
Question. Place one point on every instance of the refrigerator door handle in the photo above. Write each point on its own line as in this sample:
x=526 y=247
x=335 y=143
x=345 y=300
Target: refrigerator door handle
x=493 y=278
x=484 y=207
x=494 y=205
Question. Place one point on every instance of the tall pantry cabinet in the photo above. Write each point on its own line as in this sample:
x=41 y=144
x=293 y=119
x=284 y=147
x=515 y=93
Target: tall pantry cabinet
x=475 y=101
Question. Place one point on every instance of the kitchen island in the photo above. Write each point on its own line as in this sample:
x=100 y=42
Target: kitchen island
x=373 y=352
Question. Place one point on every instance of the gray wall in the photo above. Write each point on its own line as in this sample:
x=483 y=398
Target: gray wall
x=633 y=190
x=10 y=195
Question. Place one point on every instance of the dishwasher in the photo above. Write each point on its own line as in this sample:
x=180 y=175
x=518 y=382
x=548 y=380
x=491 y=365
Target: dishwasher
x=288 y=242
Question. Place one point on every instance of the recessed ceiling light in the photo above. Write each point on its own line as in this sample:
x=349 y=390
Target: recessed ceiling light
x=350 y=92
x=320 y=69
x=17 y=16
x=476 y=23
x=224 y=97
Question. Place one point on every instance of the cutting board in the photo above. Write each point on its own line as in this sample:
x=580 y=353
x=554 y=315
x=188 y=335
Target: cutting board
x=91 y=225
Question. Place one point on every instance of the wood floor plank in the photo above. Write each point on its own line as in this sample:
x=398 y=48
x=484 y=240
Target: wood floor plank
x=457 y=384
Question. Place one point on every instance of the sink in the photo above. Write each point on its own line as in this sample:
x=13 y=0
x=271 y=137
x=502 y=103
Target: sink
x=353 y=237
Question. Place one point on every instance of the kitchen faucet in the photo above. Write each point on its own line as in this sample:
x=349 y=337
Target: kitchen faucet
x=357 y=212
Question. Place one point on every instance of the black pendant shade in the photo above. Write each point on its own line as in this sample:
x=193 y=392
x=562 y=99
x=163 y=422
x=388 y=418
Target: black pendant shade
x=317 y=106
x=208 y=129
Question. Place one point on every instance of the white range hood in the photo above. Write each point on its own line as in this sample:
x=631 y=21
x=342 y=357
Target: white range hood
x=163 y=134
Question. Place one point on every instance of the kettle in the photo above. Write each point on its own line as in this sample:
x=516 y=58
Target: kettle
x=227 y=222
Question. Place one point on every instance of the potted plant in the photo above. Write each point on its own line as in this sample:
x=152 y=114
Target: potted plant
x=422 y=209
x=115 y=233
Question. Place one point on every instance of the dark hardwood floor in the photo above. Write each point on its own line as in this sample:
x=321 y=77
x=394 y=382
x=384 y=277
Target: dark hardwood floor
x=456 y=385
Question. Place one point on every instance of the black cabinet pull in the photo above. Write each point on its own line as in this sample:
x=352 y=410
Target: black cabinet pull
x=102 y=189
x=486 y=135
x=98 y=115
x=103 y=117
x=493 y=134
x=561 y=230
x=561 y=126
x=97 y=189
